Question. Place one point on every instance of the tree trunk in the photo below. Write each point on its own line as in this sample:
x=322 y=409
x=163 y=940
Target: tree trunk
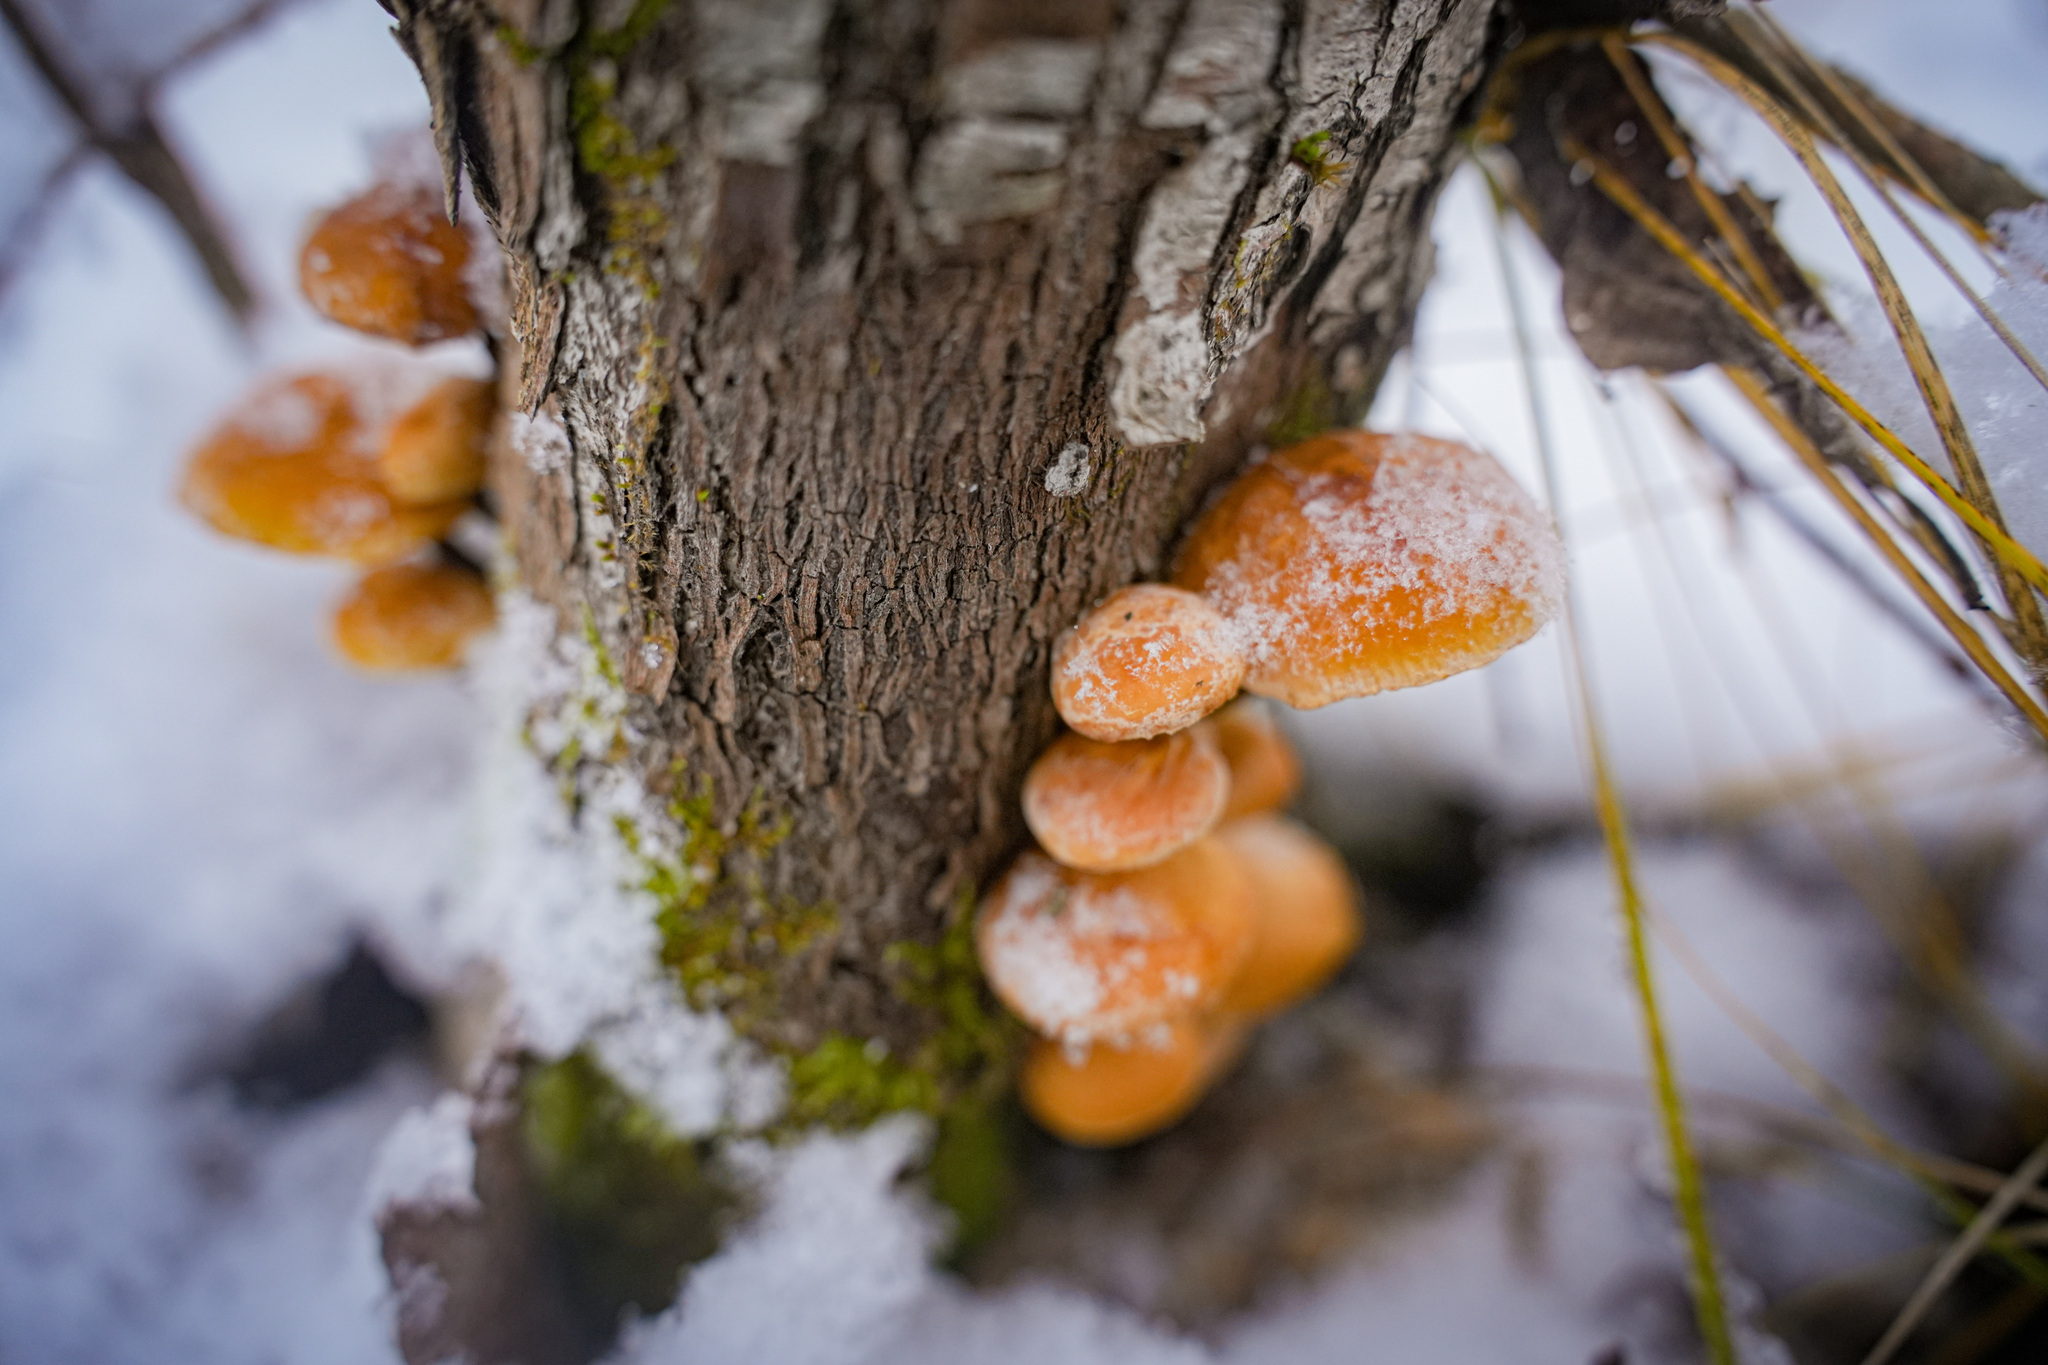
x=886 y=337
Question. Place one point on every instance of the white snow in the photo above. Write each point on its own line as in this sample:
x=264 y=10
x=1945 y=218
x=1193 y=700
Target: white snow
x=428 y=1159
x=1436 y=532
x=202 y=809
x=553 y=902
x=2004 y=406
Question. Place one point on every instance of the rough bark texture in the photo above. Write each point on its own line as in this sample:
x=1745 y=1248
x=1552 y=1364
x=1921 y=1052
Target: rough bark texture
x=885 y=337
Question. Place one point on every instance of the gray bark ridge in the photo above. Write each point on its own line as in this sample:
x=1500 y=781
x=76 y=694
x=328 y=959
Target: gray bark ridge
x=885 y=337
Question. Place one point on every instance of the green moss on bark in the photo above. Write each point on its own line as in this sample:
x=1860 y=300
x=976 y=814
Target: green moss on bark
x=629 y=1204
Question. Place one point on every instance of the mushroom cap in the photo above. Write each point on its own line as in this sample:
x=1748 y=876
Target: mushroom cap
x=1150 y=660
x=1307 y=917
x=1264 y=769
x=412 y=616
x=1357 y=562
x=435 y=450
x=1106 y=1095
x=388 y=262
x=294 y=467
x=1113 y=807
x=1082 y=956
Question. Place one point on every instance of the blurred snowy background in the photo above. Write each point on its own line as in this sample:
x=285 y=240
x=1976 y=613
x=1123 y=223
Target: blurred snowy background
x=202 y=811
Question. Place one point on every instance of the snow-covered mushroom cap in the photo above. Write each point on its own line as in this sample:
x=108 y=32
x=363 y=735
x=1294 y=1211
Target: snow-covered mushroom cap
x=388 y=262
x=1305 y=909
x=1264 y=769
x=1357 y=562
x=1087 y=956
x=294 y=467
x=412 y=616
x=1112 y=807
x=435 y=451
x=1108 y=1094
x=1152 y=659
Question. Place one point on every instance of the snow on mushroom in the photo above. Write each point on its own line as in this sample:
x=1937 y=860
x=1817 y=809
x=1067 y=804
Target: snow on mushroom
x=294 y=467
x=1088 y=956
x=375 y=463
x=1103 y=807
x=1152 y=659
x=1357 y=561
x=1345 y=565
x=388 y=262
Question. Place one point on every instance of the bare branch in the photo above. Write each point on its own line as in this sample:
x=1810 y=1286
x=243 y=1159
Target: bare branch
x=23 y=232
x=145 y=157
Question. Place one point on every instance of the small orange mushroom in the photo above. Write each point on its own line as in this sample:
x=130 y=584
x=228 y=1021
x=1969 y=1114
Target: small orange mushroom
x=412 y=616
x=1108 y=1094
x=1264 y=769
x=388 y=262
x=1083 y=956
x=293 y=467
x=1307 y=915
x=1356 y=562
x=1152 y=659
x=1112 y=807
x=435 y=451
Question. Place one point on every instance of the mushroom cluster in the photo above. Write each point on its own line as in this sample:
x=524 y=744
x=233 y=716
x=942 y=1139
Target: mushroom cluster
x=1167 y=906
x=373 y=464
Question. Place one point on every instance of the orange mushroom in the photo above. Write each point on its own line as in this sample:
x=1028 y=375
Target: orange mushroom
x=412 y=616
x=1087 y=956
x=1307 y=915
x=1264 y=769
x=1356 y=562
x=294 y=467
x=1112 y=807
x=1109 y=1094
x=435 y=451
x=388 y=262
x=1150 y=660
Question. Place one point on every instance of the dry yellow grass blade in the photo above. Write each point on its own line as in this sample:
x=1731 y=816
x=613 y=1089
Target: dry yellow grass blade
x=2031 y=627
x=1688 y=1195
x=1688 y=1191
x=1617 y=188
x=1741 y=22
x=1885 y=868
x=1873 y=176
x=1753 y=388
x=1615 y=45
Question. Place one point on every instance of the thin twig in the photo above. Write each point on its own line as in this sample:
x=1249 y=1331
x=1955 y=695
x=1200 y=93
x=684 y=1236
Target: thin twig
x=229 y=30
x=26 y=228
x=145 y=157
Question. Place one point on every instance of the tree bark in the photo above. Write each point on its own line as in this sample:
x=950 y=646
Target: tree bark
x=887 y=336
